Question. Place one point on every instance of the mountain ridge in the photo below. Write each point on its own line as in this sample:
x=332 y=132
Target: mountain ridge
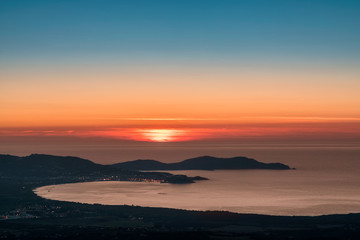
x=50 y=165
x=65 y=169
x=201 y=163
x=47 y=165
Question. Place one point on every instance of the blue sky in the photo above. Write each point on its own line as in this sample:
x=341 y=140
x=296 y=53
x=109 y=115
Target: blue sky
x=117 y=30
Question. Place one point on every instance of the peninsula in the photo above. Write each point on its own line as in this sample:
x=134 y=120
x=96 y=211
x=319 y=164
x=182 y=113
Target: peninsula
x=202 y=163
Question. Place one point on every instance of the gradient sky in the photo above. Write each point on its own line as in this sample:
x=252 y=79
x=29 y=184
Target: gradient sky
x=180 y=70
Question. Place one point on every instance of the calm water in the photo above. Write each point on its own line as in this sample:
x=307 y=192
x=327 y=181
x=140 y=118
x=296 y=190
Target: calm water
x=326 y=181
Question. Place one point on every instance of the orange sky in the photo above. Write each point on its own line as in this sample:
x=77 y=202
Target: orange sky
x=179 y=71
x=220 y=101
x=57 y=98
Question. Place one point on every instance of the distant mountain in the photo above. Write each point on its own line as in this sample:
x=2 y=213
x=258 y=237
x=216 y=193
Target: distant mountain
x=142 y=164
x=70 y=169
x=41 y=165
x=58 y=169
x=202 y=163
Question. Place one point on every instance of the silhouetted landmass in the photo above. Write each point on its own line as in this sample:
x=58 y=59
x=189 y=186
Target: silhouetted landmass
x=47 y=165
x=79 y=169
x=202 y=163
x=74 y=169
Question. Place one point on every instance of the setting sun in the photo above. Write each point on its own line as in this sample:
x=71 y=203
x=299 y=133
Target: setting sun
x=161 y=135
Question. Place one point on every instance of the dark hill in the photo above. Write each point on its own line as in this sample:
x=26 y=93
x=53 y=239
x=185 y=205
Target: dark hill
x=202 y=163
x=46 y=165
x=58 y=169
x=146 y=164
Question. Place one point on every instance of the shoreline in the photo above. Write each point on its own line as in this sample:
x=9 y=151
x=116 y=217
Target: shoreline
x=34 y=190
x=55 y=216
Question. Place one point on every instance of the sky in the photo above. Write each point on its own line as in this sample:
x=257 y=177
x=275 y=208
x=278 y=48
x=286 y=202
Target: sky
x=179 y=71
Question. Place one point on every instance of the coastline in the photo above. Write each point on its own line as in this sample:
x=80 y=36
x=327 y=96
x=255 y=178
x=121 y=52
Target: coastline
x=35 y=216
x=146 y=220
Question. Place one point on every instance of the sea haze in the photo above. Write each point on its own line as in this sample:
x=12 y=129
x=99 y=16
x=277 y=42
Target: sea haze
x=325 y=181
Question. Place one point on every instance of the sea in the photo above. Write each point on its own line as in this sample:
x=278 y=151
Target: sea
x=326 y=180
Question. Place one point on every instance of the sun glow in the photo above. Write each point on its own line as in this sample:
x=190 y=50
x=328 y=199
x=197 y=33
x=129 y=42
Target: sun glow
x=162 y=135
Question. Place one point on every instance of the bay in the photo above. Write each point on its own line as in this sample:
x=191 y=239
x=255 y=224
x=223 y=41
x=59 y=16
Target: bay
x=325 y=181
